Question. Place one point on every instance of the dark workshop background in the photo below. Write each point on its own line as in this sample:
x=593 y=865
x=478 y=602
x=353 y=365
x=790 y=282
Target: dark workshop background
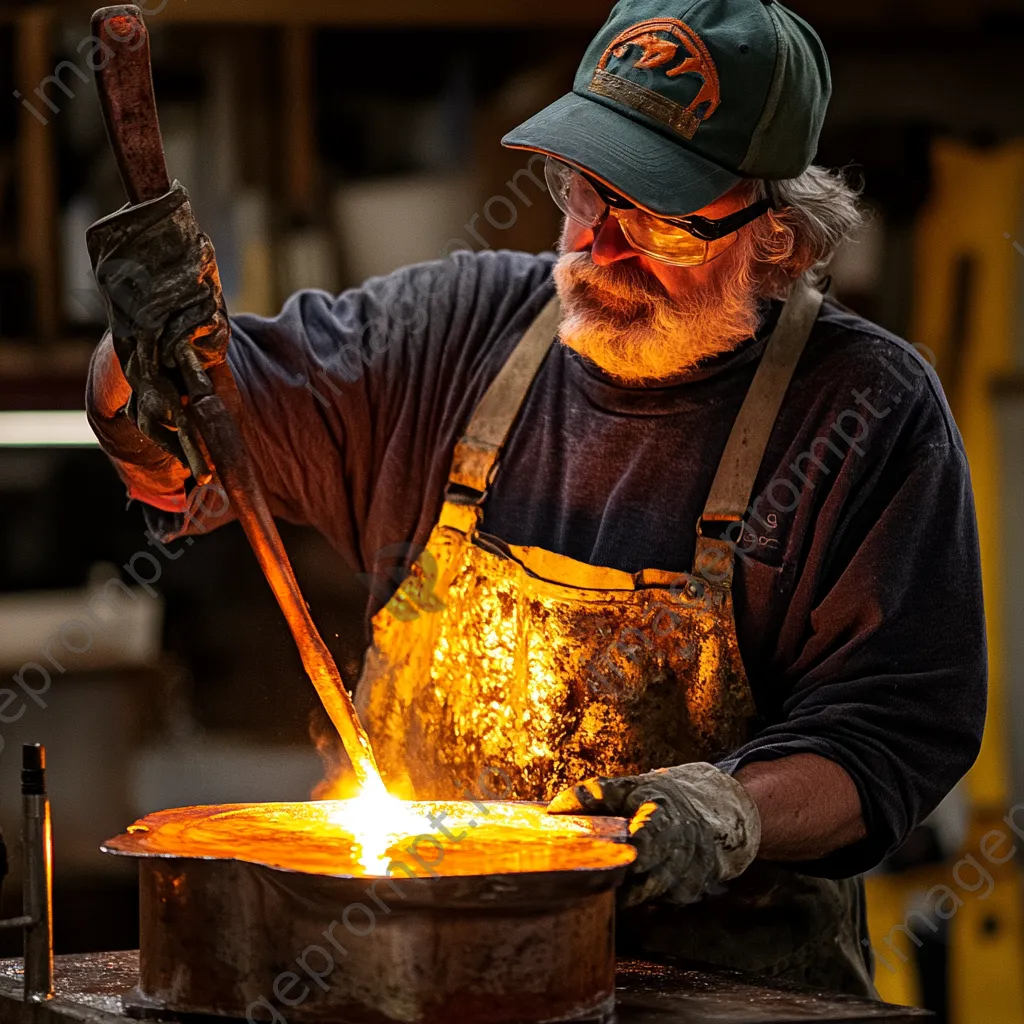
x=327 y=140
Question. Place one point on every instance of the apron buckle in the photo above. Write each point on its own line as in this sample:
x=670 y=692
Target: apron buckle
x=715 y=529
x=463 y=494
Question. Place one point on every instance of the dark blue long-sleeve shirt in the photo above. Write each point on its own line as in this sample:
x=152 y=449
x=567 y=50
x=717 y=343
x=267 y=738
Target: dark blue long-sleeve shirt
x=858 y=597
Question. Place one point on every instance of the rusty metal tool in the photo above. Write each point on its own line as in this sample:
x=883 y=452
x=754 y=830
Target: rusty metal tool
x=125 y=87
x=36 y=920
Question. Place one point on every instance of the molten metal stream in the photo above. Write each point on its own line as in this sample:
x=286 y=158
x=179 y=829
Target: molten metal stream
x=237 y=475
x=316 y=658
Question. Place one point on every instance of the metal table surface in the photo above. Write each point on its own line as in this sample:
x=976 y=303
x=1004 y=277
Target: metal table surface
x=90 y=989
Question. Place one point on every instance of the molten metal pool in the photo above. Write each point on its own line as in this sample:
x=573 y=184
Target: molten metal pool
x=370 y=911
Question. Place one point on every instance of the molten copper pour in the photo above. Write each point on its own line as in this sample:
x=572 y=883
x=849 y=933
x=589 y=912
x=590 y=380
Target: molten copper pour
x=236 y=472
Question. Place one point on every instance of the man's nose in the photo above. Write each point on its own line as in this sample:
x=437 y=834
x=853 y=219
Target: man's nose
x=610 y=244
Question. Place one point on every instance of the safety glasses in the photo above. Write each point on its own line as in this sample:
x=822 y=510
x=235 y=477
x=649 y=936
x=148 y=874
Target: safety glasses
x=680 y=241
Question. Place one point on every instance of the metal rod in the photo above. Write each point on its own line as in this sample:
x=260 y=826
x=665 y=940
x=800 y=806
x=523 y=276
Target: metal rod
x=237 y=474
x=16 y=922
x=38 y=868
x=128 y=105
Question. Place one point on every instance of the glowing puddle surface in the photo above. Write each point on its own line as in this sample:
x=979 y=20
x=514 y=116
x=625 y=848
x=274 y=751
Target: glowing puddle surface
x=377 y=824
x=367 y=835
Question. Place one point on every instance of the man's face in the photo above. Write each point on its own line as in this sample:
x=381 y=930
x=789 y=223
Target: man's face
x=610 y=246
x=644 y=321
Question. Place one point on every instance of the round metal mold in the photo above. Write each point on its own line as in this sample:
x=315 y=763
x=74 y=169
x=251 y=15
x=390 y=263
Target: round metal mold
x=493 y=913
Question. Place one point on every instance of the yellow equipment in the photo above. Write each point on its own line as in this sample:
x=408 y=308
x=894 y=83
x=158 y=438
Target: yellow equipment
x=968 y=273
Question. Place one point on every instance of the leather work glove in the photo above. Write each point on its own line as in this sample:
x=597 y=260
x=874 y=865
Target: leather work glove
x=693 y=826
x=157 y=274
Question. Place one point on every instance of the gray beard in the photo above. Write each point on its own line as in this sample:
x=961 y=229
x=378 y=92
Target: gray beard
x=621 y=318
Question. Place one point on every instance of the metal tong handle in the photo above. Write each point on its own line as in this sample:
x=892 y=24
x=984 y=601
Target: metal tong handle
x=125 y=86
x=128 y=102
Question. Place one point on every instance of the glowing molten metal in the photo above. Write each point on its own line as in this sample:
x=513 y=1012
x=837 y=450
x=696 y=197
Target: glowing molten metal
x=374 y=835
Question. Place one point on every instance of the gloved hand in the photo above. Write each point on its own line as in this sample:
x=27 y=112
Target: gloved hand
x=157 y=274
x=693 y=826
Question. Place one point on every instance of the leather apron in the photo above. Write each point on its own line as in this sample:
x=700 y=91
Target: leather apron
x=534 y=671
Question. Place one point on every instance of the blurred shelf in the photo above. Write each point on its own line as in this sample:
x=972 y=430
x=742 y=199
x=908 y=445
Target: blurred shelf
x=586 y=13
x=29 y=357
x=34 y=376
x=1009 y=385
x=358 y=12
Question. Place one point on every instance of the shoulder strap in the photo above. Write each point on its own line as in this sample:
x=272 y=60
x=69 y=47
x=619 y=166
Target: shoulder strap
x=744 y=451
x=737 y=471
x=476 y=454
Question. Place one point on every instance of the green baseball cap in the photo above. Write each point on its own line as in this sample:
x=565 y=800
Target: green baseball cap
x=675 y=103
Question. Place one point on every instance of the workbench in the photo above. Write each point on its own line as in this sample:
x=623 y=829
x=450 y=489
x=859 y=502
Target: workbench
x=91 y=987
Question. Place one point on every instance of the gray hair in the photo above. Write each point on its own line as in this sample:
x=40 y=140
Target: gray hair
x=813 y=214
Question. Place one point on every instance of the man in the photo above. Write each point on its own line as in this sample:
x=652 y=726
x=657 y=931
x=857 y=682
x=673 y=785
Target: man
x=687 y=545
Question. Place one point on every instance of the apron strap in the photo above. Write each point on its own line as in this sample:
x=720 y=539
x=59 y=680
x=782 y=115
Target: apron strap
x=744 y=451
x=476 y=455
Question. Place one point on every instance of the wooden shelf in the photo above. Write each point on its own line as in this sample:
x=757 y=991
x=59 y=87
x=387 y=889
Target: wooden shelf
x=1008 y=386
x=495 y=13
x=68 y=357
x=586 y=13
x=41 y=376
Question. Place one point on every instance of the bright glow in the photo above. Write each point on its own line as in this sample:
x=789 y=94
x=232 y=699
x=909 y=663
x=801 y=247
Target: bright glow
x=45 y=430
x=377 y=821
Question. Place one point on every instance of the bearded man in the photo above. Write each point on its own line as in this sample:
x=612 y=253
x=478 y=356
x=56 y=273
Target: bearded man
x=685 y=543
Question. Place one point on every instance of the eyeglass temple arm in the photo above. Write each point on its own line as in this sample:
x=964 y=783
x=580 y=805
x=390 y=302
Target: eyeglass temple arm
x=703 y=228
x=709 y=230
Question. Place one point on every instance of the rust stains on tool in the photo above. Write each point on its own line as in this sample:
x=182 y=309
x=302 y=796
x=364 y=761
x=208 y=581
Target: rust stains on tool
x=125 y=87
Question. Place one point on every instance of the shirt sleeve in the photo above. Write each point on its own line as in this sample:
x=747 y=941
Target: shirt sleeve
x=890 y=680
x=314 y=385
x=349 y=402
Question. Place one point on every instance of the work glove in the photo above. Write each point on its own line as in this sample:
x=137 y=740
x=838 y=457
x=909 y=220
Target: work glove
x=693 y=827
x=157 y=275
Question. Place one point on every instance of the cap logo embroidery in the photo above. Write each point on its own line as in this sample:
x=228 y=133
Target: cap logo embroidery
x=673 y=48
